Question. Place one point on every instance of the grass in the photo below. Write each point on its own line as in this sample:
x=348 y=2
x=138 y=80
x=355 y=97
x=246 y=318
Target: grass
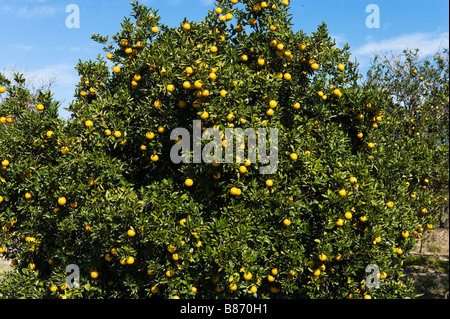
x=439 y=264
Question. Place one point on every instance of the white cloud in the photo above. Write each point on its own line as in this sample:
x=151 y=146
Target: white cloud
x=427 y=43
x=36 y=12
x=340 y=39
x=63 y=74
x=207 y=2
x=21 y=46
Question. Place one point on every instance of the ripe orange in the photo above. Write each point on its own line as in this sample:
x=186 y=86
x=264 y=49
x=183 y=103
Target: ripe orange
x=189 y=182
x=158 y=104
x=117 y=134
x=150 y=135
x=273 y=104
x=40 y=107
x=341 y=67
x=62 y=201
x=204 y=115
x=274 y=290
x=155 y=29
x=197 y=84
x=235 y=191
x=131 y=233
x=116 y=69
x=154 y=289
x=342 y=192
x=340 y=222
x=94 y=274
x=248 y=276
x=231 y=117
x=314 y=66
x=348 y=215
x=154 y=158
x=233 y=287
x=287 y=222
x=269 y=183
x=187 y=26
x=2 y=89
x=337 y=93
x=390 y=204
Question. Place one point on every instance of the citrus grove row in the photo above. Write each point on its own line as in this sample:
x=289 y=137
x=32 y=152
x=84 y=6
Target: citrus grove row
x=362 y=165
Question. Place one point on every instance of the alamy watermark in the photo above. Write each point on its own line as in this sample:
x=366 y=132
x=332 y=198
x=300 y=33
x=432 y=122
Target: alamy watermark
x=258 y=143
x=373 y=277
x=73 y=279
x=373 y=19
x=73 y=19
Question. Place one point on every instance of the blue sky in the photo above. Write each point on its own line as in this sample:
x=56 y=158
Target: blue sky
x=36 y=41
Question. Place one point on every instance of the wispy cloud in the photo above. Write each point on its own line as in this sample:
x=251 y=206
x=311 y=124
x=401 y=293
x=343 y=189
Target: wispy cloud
x=177 y=2
x=20 y=46
x=36 y=12
x=428 y=43
x=62 y=74
x=29 y=9
x=340 y=39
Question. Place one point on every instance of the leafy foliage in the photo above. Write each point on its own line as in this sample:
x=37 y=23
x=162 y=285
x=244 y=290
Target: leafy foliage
x=351 y=158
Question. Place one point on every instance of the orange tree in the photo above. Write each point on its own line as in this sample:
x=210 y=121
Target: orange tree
x=102 y=191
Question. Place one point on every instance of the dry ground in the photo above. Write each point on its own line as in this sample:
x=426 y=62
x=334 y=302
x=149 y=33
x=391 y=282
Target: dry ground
x=429 y=265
